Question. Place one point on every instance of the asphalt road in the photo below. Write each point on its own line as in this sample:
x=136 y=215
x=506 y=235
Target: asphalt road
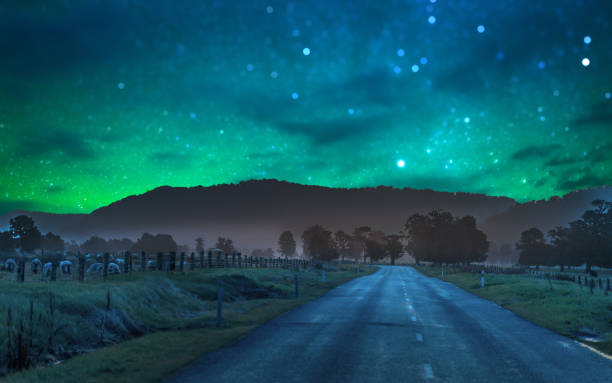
x=400 y=326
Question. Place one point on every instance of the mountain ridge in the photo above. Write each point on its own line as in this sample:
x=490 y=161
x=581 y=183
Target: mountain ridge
x=254 y=212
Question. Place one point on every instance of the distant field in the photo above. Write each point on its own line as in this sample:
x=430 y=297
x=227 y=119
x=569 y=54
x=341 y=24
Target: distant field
x=157 y=322
x=562 y=306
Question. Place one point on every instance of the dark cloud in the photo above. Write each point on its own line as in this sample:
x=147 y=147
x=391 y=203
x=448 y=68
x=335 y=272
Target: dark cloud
x=330 y=131
x=52 y=140
x=586 y=180
x=561 y=161
x=599 y=115
x=80 y=32
x=593 y=119
x=535 y=151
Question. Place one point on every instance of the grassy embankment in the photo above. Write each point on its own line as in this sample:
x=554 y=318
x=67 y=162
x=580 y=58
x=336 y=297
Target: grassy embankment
x=176 y=312
x=562 y=306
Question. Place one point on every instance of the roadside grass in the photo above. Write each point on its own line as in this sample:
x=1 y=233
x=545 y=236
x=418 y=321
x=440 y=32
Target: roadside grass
x=178 y=313
x=562 y=306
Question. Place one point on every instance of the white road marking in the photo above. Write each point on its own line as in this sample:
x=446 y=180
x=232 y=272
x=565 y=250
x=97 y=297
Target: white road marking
x=410 y=307
x=419 y=337
x=428 y=371
x=413 y=318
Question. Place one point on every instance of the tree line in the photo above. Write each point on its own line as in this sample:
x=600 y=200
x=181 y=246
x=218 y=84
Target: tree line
x=585 y=241
x=437 y=237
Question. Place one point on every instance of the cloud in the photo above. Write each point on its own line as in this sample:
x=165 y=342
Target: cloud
x=561 y=161
x=535 y=151
x=330 y=131
x=584 y=181
x=52 y=140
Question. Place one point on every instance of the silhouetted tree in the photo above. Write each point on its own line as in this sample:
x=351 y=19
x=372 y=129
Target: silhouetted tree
x=117 y=245
x=225 y=244
x=355 y=249
x=471 y=244
x=394 y=248
x=360 y=234
x=94 y=245
x=564 y=241
x=594 y=234
x=72 y=247
x=343 y=243
x=7 y=243
x=318 y=243
x=25 y=233
x=419 y=230
x=439 y=237
x=286 y=244
x=52 y=243
x=149 y=243
x=533 y=248
x=199 y=245
x=375 y=245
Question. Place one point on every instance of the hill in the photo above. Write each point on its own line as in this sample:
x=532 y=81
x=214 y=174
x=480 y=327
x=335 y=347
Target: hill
x=254 y=213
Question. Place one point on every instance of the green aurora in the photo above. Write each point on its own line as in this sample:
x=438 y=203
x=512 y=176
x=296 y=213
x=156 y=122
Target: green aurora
x=103 y=99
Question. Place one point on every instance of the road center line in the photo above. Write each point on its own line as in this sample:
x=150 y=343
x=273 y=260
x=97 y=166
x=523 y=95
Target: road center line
x=428 y=371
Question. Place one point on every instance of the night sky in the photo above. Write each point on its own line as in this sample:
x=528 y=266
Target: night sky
x=104 y=99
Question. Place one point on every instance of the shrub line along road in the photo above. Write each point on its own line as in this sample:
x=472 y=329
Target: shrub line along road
x=399 y=326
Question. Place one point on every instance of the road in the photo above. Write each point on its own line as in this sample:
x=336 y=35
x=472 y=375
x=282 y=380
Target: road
x=397 y=325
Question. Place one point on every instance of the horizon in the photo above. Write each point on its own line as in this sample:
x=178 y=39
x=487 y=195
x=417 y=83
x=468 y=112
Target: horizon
x=18 y=210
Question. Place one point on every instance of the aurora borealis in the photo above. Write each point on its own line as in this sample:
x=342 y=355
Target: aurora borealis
x=104 y=99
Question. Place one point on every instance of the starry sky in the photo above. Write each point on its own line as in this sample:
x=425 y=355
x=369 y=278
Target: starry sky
x=103 y=99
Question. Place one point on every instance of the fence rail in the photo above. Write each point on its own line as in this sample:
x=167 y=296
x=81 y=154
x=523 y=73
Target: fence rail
x=590 y=282
x=83 y=267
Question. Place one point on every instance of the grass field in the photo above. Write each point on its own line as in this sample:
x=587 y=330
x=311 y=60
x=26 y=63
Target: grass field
x=175 y=312
x=562 y=306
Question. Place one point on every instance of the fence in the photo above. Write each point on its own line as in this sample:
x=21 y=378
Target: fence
x=582 y=280
x=593 y=283
x=90 y=266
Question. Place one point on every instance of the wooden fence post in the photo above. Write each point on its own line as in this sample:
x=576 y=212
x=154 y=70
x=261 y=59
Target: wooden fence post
x=192 y=265
x=53 y=271
x=105 y=260
x=239 y=260
x=126 y=264
x=81 y=259
x=172 y=260
x=159 y=261
x=210 y=263
x=143 y=261
x=218 y=260
x=21 y=270
x=202 y=259
x=182 y=261
x=226 y=262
